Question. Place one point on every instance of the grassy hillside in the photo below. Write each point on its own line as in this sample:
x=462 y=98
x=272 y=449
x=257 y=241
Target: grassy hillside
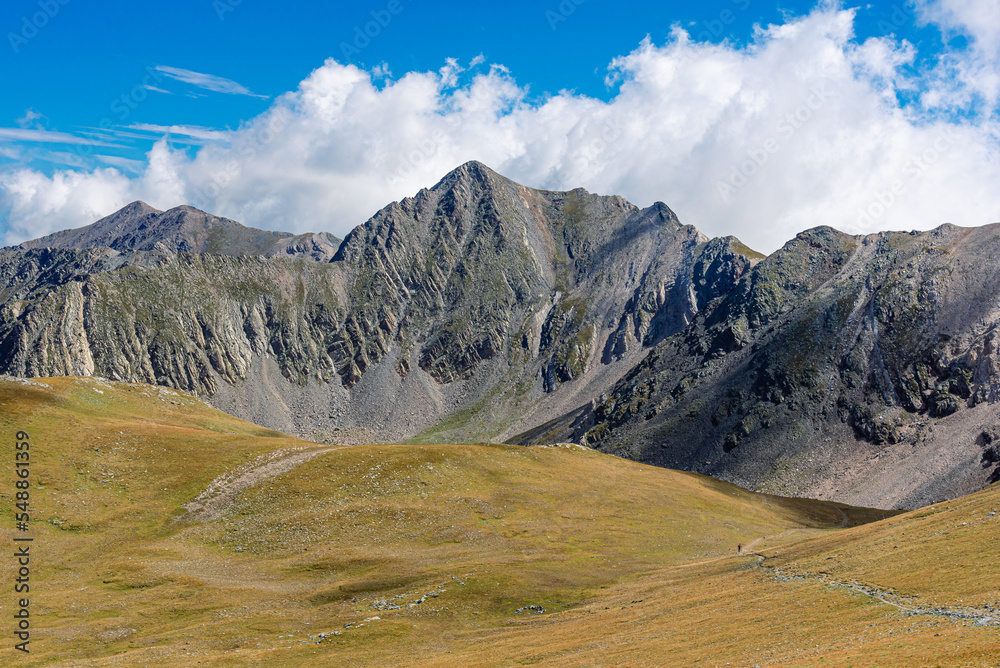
x=918 y=589
x=167 y=533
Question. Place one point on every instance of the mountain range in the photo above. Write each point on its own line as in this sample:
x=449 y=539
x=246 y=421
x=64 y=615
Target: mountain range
x=862 y=369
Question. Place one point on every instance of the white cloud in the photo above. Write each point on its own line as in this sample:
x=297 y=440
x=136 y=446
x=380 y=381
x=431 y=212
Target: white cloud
x=381 y=71
x=66 y=158
x=979 y=19
x=191 y=131
x=39 y=204
x=966 y=78
x=801 y=128
x=135 y=166
x=45 y=136
x=32 y=119
x=207 y=81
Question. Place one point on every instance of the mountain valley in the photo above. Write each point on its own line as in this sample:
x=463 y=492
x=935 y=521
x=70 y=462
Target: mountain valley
x=168 y=533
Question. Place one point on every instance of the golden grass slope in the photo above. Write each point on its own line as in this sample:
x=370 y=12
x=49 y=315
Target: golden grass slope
x=169 y=534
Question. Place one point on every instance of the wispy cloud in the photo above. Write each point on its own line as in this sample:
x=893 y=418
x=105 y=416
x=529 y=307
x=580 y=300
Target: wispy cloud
x=208 y=81
x=118 y=133
x=192 y=135
x=11 y=152
x=201 y=134
x=32 y=120
x=61 y=158
x=157 y=90
x=135 y=166
x=47 y=137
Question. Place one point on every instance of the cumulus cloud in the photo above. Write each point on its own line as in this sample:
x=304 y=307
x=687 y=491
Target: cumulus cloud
x=41 y=204
x=966 y=78
x=802 y=127
x=979 y=19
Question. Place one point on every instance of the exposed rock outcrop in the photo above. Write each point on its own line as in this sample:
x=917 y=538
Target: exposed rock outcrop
x=830 y=358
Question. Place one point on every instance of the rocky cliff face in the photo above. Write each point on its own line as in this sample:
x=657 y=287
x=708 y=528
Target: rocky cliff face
x=185 y=320
x=862 y=368
x=475 y=309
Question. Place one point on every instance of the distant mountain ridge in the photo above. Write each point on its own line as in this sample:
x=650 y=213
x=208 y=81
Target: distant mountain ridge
x=184 y=229
x=861 y=369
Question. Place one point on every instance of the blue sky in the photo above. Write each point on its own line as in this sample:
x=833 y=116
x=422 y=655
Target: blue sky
x=154 y=93
x=78 y=67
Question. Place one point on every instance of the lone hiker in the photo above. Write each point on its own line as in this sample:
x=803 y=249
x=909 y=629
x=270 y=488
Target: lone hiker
x=739 y=549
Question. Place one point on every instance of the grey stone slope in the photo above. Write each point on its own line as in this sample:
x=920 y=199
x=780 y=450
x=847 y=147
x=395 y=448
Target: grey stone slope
x=189 y=321
x=858 y=368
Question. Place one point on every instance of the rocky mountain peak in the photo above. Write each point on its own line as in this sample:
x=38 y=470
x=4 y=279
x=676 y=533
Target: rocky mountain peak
x=136 y=208
x=472 y=170
x=139 y=227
